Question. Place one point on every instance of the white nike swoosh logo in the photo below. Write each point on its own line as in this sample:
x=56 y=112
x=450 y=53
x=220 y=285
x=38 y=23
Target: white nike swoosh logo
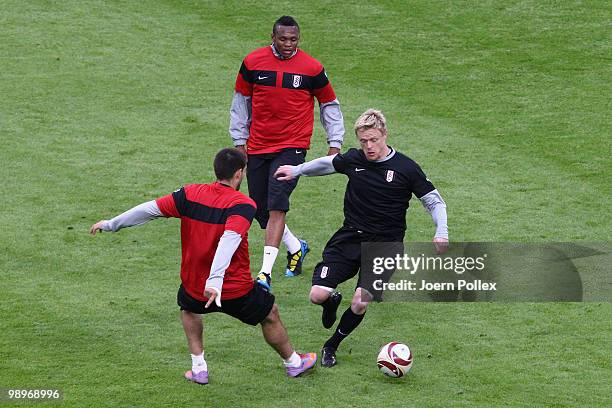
x=260 y=78
x=298 y=152
x=356 y=169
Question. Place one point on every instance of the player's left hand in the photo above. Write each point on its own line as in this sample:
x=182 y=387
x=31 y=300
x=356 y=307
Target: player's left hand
x=96 y=227
x=284 y=173
x=213 y=295
x=441 y=244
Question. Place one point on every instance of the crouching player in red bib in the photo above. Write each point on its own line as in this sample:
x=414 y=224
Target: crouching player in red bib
x=215 y=271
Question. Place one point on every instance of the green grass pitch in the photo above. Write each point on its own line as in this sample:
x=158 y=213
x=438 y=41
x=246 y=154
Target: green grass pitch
x=106 y=104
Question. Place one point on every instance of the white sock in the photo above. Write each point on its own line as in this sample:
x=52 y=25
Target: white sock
x=294 y=360
x=269 y=257
x=198 y=363
x=293 y=244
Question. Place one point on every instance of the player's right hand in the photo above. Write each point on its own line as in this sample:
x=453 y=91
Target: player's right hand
x=284 y=173
x=96 y=227
x=213 y=295
x=242 y=149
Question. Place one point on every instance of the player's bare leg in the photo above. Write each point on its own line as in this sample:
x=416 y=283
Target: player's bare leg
x=192 y=324
x=275 y=333
x=361 y=299
x=274 y=233
x=276 y=336
x=275 y=228
x=319 y=294
x=351 y=318
x=329 y=300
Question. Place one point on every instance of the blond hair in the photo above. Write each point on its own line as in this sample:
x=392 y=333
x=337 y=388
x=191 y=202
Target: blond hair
x=371 y=119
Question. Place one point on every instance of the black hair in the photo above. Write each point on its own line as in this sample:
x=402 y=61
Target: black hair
x=286 y=21
x=227 y=162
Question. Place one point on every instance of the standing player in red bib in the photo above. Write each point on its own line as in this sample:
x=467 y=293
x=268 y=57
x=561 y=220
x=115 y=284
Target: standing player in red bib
x=271 y=119
x=215 y=273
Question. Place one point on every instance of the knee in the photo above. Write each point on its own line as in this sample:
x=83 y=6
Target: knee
x=360 y=302
x=318 y=296
x=273 y=316
x=359 y=307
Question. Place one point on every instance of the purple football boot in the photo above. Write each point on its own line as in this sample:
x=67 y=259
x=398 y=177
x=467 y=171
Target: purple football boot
x=199 y=378
x=308 y=362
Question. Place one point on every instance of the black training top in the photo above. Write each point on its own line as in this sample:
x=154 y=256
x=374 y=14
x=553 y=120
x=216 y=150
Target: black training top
x=378 y=192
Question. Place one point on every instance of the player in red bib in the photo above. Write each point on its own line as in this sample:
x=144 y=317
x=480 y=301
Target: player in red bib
x=215 y=272
x=271 y=119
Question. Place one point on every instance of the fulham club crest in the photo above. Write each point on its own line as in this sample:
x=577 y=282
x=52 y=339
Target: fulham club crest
x=297 y=81
x=390 y=174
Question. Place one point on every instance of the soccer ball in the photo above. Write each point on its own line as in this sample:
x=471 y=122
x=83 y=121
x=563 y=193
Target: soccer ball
x=394 y=359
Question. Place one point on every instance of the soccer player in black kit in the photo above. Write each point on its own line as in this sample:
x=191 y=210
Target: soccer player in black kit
x=380 y=186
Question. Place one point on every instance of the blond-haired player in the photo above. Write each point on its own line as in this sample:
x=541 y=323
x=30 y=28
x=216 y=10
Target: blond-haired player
x=380 y=186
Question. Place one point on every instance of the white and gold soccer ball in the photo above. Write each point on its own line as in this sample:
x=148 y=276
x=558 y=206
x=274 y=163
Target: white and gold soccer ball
x=394 y=359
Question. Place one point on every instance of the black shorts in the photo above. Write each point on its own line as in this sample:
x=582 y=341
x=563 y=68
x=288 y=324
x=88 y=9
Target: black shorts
x=342 y=259
x=268 y=193
x=251 y=308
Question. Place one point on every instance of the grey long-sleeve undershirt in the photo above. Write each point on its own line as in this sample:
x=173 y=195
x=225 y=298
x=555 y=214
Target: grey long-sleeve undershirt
x=317 y=167
x=436 y=207
x=142 y=213
x=333 y=122
x=240 y=119
x=135 y=216
x=228 y=244
x=241 y=113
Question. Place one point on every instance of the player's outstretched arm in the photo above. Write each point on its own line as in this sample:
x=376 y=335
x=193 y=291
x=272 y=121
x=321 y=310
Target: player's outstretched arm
x=435 y=205
x=135 y=216
x=317 y=167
